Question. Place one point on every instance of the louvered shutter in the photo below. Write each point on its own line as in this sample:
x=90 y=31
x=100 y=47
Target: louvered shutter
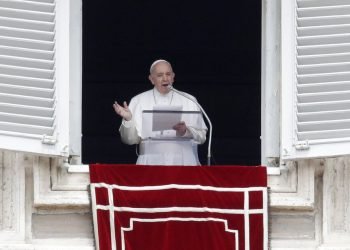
x=33 y=96
x=315 y=78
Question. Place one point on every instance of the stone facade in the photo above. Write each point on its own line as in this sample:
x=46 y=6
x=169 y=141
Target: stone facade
x=44 y=205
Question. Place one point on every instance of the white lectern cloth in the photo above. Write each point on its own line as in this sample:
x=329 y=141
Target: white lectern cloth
x=167 y=152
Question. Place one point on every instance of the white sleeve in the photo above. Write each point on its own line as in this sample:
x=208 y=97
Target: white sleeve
x=129 y=129
x=128 y=132
x=199 y=135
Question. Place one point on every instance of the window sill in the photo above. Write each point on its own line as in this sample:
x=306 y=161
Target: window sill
x=85 y=169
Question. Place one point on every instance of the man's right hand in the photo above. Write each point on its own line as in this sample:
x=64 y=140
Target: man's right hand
x=123 y=111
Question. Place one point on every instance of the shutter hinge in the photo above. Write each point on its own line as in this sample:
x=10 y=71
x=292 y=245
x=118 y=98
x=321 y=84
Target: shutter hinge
x=302 y=145
x=50 y=140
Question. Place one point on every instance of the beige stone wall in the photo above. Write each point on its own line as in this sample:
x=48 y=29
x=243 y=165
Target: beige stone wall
x=43 y=206
x=309 y=205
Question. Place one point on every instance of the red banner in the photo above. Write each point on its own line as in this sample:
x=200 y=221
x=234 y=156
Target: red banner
x=179 y=207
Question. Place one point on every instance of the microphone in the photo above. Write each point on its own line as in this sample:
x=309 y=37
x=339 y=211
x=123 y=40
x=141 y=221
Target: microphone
x=170 y=86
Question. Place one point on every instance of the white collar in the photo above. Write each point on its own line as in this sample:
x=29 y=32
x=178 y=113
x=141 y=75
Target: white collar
x=160 y=95
x=160 y=98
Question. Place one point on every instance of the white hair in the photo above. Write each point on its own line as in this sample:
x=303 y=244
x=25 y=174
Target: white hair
x=156 y=62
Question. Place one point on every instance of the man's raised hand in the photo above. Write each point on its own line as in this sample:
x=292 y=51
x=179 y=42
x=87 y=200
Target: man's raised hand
x=123 y=111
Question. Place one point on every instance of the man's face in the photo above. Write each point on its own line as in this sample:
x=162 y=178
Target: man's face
x=161 y=76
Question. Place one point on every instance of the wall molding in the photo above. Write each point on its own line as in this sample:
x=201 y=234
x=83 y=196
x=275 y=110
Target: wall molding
x=54 y=186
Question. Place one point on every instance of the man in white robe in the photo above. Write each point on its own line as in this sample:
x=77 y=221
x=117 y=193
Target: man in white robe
x=182 y=148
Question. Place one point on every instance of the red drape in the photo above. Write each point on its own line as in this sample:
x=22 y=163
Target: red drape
x=179 y=207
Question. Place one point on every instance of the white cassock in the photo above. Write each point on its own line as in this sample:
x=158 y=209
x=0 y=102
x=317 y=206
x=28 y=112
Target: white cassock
x=163 y=152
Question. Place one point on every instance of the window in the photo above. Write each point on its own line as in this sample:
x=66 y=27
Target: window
x=315 y=92
x=215 y=55
x=40 y=76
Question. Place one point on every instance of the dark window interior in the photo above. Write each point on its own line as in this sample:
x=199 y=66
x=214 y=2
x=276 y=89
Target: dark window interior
x=215 y=50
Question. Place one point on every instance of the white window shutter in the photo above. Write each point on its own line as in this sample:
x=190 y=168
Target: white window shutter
x=35 y=77
x=315 y=78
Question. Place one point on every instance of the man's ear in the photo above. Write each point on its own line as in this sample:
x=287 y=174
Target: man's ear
x=150 y=79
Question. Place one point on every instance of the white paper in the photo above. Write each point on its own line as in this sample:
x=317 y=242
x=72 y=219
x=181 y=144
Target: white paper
x=166 y=120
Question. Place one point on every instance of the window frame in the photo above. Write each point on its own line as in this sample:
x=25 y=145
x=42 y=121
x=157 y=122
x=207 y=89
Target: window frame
x=68 y=89
x=291 y=148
